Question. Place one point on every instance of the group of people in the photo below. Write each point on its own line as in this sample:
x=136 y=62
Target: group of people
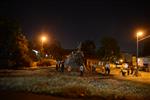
x=60 y=67
x=129 y=69
x=126 y=68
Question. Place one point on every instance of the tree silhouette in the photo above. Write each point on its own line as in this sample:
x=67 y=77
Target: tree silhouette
x=109 y=49
x=13 y=44
x=88 y=47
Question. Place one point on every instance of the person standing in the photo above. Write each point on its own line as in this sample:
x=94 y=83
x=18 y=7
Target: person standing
x=124 y=69
x=81 y=70
x=132 y=69
x=69 y=69
x=107 y=68
x=93 y=68
x=57 y=64
x=62 y=67
x=127 y=68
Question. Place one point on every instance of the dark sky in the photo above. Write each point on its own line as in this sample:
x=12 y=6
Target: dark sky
x=72 y=22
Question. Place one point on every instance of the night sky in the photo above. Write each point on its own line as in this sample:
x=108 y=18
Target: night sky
x=72 y=22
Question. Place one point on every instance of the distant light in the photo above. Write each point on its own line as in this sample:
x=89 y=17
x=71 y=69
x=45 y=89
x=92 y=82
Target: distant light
x=46 y=55
x=121 y=60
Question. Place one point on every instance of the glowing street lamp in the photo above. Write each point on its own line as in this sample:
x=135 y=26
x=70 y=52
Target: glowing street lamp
x=140 y=33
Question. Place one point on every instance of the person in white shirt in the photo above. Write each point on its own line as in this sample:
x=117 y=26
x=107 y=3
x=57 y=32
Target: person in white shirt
x=81 y=70
x=107 y=68
x=127 y=67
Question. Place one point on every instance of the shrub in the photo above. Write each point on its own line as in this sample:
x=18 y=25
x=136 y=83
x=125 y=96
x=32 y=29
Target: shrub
x=44 y=62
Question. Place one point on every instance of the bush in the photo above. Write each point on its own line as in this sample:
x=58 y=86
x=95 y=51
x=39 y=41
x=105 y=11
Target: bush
x=44 y=62
x=24 y=61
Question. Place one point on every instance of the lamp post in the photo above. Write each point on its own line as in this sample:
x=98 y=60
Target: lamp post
x=43 y=38
x=137 y=52
x=144 y=38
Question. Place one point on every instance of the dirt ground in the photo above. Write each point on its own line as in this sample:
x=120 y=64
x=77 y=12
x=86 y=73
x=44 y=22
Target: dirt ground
x=5 y=95
x=46 y=77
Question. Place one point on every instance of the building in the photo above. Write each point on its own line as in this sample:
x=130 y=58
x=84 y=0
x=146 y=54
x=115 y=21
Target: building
x=144 y=63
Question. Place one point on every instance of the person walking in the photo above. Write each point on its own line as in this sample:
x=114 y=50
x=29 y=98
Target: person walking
x=81 y=70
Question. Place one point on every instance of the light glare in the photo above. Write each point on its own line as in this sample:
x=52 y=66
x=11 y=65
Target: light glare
x=43 y=38
x=140 y=33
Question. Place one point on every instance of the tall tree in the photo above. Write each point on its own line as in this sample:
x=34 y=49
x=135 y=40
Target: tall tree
x=9 y=29
x=54 y=49
x=88 y=47
x=109 y=49
x=13 y=44
x=22 y=51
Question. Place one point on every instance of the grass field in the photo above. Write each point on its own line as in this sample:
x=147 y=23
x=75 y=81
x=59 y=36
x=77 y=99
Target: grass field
x=48 y=81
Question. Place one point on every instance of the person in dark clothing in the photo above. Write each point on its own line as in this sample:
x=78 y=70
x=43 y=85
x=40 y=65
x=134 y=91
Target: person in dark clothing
x=56 y=67
x=132 y=69
x=57 y=64
x=62 y=67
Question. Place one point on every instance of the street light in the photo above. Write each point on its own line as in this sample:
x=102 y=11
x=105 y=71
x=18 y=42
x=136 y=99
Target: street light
x=140 y=33
x=148 y=36
x=43 y=39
